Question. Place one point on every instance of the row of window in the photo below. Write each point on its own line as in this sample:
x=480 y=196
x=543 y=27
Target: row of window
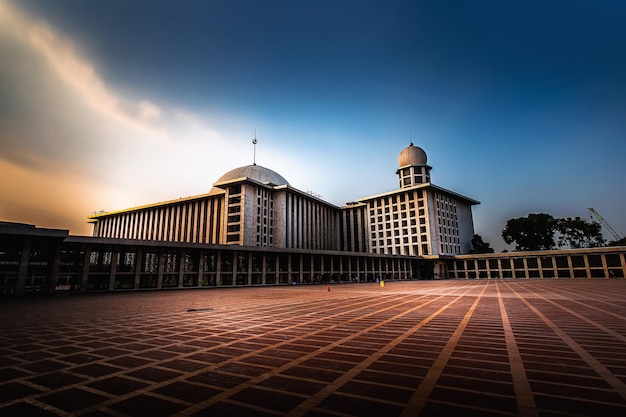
x=396 y=236
x=233 y=227
x=264 y=218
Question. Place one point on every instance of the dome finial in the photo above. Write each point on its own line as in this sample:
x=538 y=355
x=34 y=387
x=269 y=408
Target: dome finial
x=254 y=142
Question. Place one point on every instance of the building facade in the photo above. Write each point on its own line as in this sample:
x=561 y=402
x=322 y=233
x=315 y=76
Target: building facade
x=253 y=228
x=255 y=206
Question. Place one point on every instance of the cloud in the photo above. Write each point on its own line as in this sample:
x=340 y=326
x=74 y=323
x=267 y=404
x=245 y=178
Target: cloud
x=78 y=73
x=71 y=144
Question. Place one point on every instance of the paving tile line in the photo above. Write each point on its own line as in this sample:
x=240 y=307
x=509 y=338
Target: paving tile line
x=113 y=399
x=590 y=306
x=609 y=377
x=418 y=400
x=600 y=295
x=75 y=320
x=349 y=375
x=71 y=366
x=304 y=407
x=366 y=305
x=579 y=316
x=523 y=392
x=47 y=407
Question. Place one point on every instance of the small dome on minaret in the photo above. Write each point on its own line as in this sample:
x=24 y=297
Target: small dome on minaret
x=412 y=155
x=413 y=168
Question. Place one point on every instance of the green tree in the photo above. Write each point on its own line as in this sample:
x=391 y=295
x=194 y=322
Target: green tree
x=579 y=233
x=535 y=232
x=480 y=246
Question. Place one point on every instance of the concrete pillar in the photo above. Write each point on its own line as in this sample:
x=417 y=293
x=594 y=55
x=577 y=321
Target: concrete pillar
x=249 y=275
x=160 y=269
x=22 y=271
x=605 y=267
x=587 y=269
x=138 y=266
x=181 y=267
x=218 y=269
x=84 y=276
x=525 y=261
x=235 y=263
x=570 y=267
x=200 y=267
x=115 y=255
x=264 y=269
x=55 y=266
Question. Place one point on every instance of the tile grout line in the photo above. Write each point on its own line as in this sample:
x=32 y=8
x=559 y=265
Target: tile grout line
x=419 y=398
x=523 y=392
x=607 y=375
x=303 y=358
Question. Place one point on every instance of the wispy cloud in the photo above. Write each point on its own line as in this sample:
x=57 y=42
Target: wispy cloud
x=78 y=73
x=70 y=143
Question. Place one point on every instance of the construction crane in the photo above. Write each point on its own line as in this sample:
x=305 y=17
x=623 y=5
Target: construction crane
x=605 y=223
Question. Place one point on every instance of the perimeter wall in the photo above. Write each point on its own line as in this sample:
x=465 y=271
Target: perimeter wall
x=37 y=260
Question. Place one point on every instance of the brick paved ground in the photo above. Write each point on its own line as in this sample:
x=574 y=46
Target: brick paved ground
x=428 y=348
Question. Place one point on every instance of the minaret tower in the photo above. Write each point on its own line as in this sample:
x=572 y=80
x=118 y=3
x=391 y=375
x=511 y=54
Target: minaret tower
x=412 y=167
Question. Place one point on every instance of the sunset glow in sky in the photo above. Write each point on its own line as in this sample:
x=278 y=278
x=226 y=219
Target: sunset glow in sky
x=106 y=105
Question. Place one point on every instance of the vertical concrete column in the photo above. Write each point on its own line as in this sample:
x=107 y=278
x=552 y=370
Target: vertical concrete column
x=22 y=270
x=264 y=269
x=500 y=273
x=605 y=266
x=138 y=265
x=512 y=261
x=235 y=263
x=289 y=271
x=525 y=261
x=200 y=267
x=350 y=273
x=570 y=266
x=160 y=269
x=276 y=269
x=84 y=276
x=249 y=275
x=218 y=269
x=56 y=264
x=115 y=256
x=181 y=267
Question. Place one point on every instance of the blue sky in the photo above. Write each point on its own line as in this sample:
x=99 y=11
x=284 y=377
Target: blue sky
x=112 y=104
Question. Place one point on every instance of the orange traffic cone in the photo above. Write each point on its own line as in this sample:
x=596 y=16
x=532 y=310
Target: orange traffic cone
x=328 y=287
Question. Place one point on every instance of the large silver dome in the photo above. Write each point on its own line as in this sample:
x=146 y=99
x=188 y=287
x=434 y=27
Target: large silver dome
x=255 y=172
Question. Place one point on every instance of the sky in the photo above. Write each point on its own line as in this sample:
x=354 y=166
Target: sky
x=106 y=105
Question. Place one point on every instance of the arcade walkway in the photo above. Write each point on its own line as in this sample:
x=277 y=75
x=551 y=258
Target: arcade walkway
x=422 y=348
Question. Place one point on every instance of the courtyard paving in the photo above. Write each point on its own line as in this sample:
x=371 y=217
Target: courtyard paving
x=424 y=348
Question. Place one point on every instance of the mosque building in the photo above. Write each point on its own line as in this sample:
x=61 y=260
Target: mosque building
x=254 y=229
x=255 y=206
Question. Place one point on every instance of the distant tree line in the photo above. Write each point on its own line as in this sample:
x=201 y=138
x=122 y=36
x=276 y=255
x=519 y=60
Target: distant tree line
x=537 y=232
